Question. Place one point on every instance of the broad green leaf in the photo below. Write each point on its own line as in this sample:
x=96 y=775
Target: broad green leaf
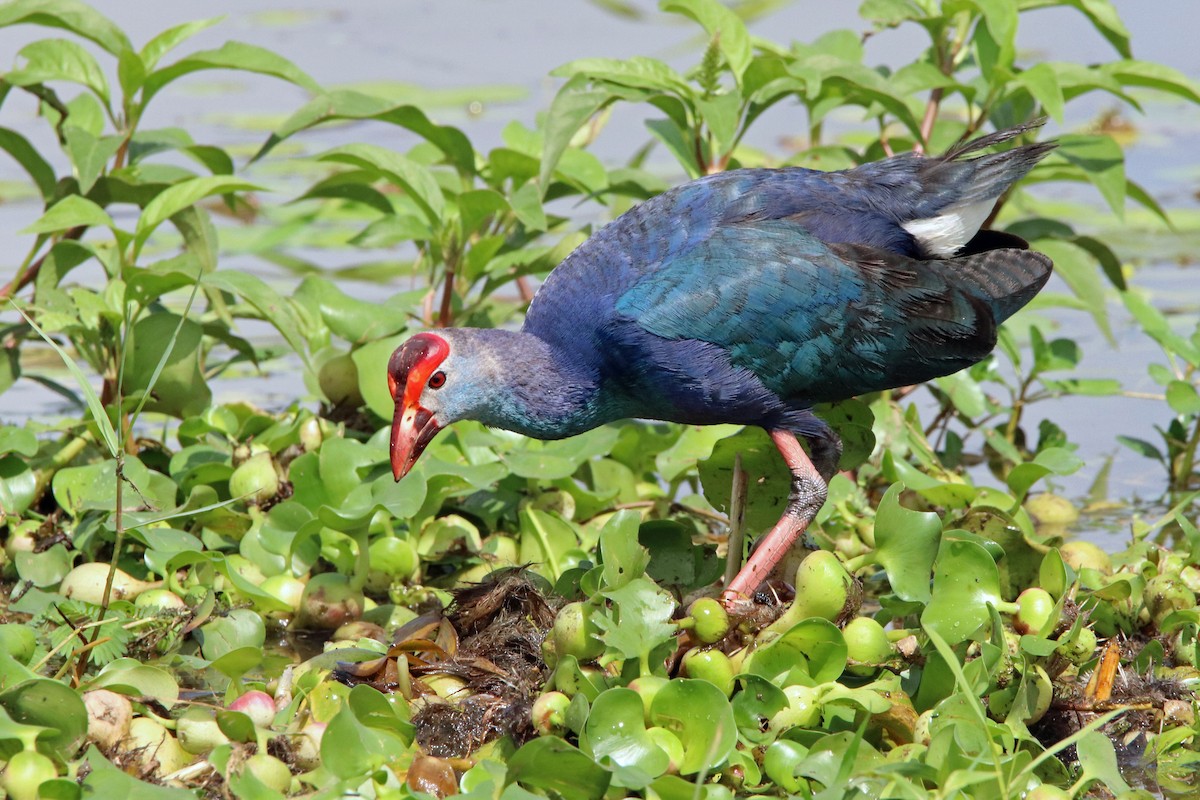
x=1051 y=461
x=624 y=557
x=695 y=443
x=677 y=142
x=89 y=154
x=638 y=72
x=809 y=653
x=30 y=160
x=1099 y=760
x=164 y=359
x=1000 y=18
x=181 y=195
x=45 y=568
x=1105 y=19
x=1102 y=161
x=722 y=25
x=699 y=714
x=965 y=582
x=348 y=104
x=906 y=545
x=573 y=105
x=1183 y=398
x=478 y=206
x=615 y=736
x=131 y=677
x=356 y=321
x=18 y=484
x=49 y=704
x=72 y=211
x=231 y=55
x=720 y=113
x=526 y=204
x=1042 y=83
x=397 y=169
x=71 y=15
x=21 y=441
x=58 y=60
x=171 y=38
x=1135 y=72
x=268 y=302
x=1077 y=268
x=561 y=770
x=768 y=479
x=104 y=781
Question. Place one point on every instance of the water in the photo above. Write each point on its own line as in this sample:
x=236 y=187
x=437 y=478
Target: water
x=490 y=62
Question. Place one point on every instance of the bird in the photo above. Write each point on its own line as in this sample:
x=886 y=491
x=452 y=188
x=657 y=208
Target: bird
x=746 y=297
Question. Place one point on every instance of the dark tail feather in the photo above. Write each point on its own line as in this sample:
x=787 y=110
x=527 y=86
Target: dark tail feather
x=1007 y=279
x=983 y=177
x=983 y=142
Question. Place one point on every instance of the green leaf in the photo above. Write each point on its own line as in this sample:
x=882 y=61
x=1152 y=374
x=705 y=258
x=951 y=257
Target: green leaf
x=1134 y=72
x=906 y=545
x=181 y=195
x=550 y=764
x=811 y=652
x=1105 y=19
x=965 y=582
x=131 y=677
x=526 y=204
x=49 y=704
x=721 y=113
x=231 y=55
x=638 y=72
x=72 y=211
x=641 y=620
x=1051 y=461
x=615 y=736
x=768 y=479
x=104 y=781
x=77 y=17
x=99 y=415
x=699 y=714
x=356 y=321
x=89 y=154
x=696 y=442
x=164 y=359
x=415 y=179
x=1000 y=18
x=171 y=38
x=1099 y=760
x=18 y=484
x=1183 y=398
x=18 y=440
x=58 y=60
x=1101 y=160
x=624 y=558
x=1042 y=83
x=268 y=302
x=573 y=105
x=1076 y=267
x=722 y=25
x=30 y=160
x=348 y=104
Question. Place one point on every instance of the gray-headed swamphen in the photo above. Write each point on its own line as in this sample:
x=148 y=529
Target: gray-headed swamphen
x=746 y=297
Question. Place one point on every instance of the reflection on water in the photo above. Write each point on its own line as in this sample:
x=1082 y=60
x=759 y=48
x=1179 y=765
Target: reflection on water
x=481 y=65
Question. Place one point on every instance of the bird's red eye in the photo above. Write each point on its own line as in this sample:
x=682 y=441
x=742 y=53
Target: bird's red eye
x=437 y=380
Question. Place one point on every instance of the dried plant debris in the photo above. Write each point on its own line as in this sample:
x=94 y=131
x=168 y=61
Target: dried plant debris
x=475 y=671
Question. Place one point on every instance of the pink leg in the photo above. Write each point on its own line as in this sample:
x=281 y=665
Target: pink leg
x=808 y=495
